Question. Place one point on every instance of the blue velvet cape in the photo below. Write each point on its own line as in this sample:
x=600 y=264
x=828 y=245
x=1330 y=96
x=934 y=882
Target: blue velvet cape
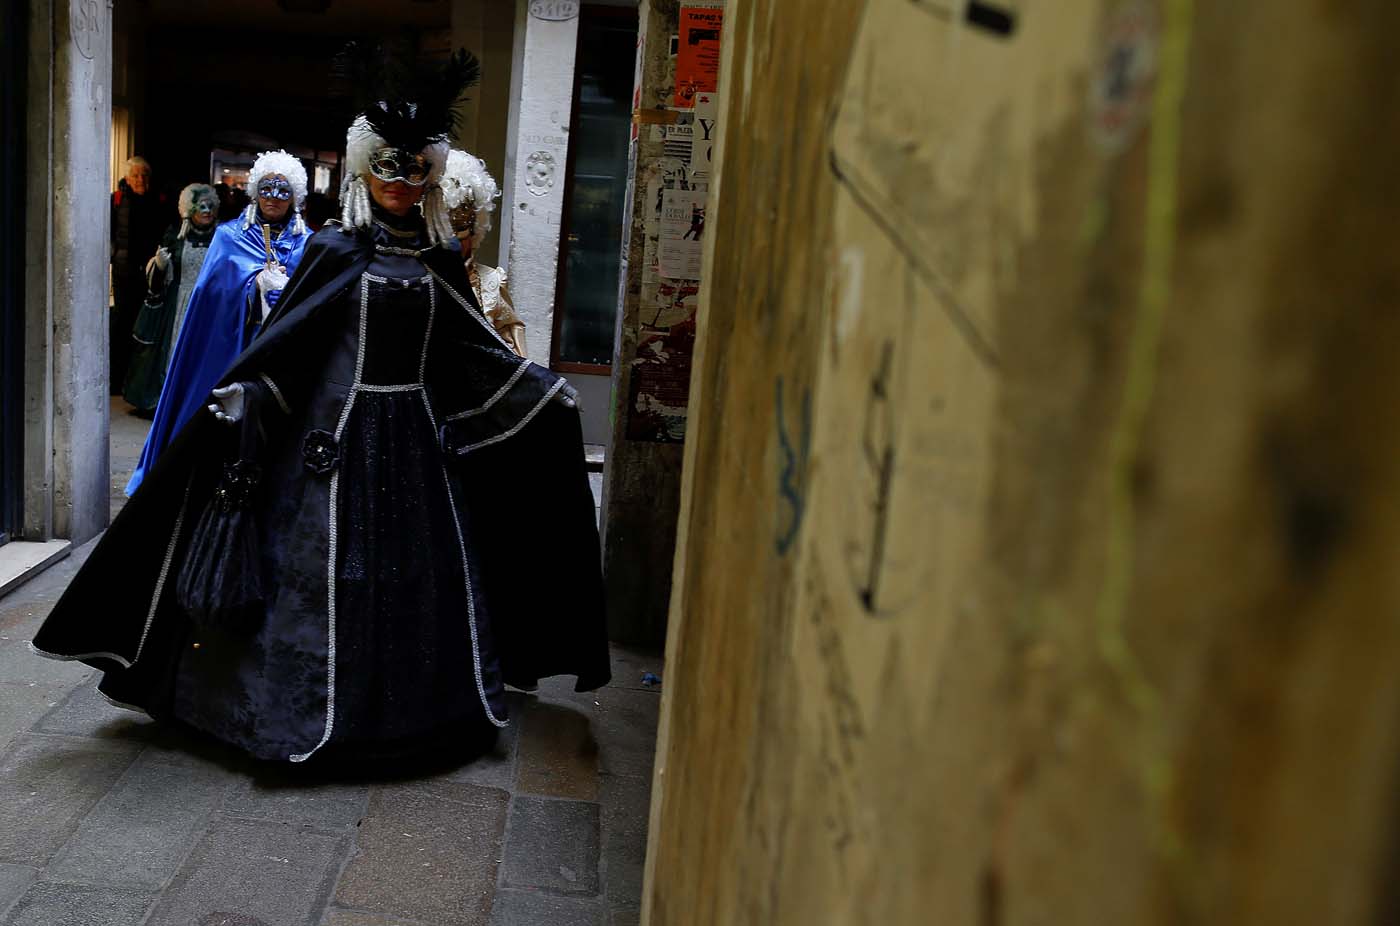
x=215 y=330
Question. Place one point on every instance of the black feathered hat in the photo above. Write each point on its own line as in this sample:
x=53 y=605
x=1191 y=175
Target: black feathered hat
x=402 y=100
x=408 y=100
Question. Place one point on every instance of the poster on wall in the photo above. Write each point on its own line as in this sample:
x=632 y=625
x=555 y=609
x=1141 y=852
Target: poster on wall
x=676 y=300
x=660 y=385
x=682 y=231
x=677 y=140
x=702 y=139
x=697 y=57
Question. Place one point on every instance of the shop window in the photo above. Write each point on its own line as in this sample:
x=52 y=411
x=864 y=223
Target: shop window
x=596 y=185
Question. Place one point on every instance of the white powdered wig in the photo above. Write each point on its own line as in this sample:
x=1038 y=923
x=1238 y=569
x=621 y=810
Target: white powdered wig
x=277 y=162
x=361 y=141
x=467 y=183
x=188 y=197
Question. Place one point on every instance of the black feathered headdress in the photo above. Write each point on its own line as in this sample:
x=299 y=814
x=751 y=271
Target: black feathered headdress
x=402 y=100
x=406 y=99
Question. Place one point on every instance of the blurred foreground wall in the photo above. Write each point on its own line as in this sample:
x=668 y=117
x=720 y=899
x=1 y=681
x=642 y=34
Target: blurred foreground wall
x=1042 y=498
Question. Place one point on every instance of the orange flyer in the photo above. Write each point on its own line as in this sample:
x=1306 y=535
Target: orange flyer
x=697 y=58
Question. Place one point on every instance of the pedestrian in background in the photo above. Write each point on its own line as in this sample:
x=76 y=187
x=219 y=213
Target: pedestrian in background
x=470 y=194
x=138 y=219
x=170 y=276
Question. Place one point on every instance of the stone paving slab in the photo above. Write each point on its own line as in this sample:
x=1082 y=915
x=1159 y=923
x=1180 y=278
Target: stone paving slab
x=560 y=690
x=180 y=746
x=626 y=807
x=627 y=742
x=270 y=850
x=558 y=755
x=84 y=712
x=20 y=614
x=270 y=874
x=428 y=852
x=337 y=917
x=231 y=919
x=74 y=905
x=24 y=609
x=288 y=798
x=14 y=880
x=626 y=916
x=529 y=908
x=47 y=787
x=629 y=665
x=496 y=769
x=19 y=664
x=553 y=846
x=21 y=705
x=143 y=829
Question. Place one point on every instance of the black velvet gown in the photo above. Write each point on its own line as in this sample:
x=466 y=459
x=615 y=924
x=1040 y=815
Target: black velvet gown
x=401 y=588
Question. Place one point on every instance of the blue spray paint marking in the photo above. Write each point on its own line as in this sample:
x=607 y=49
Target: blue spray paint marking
x=793 y=477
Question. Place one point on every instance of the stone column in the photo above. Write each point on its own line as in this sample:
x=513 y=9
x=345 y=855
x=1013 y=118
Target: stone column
x=66 y=404
x=641 y=499
x=533 y=192
x=487 y=28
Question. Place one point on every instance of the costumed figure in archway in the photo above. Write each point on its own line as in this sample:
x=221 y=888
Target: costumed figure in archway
x=139 y=215
x=323 y=563
x=245 y=270
x=170 y=281
x=470 y=193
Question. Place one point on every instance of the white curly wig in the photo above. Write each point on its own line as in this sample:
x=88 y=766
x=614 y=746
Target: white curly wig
x=277 y=162
x=361 y=141
x=189 y=196
x=468 y=187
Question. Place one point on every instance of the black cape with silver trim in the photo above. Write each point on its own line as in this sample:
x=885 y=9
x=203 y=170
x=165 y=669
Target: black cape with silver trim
x=427 y=524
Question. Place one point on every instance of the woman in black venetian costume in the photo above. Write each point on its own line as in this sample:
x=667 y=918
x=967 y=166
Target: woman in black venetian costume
x=322 y=563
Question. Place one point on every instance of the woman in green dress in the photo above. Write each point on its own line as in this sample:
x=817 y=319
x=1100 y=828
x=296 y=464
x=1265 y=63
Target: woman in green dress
x=170 y=278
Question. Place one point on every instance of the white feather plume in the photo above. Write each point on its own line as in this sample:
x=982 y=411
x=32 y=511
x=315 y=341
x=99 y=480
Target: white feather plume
x=467 y=182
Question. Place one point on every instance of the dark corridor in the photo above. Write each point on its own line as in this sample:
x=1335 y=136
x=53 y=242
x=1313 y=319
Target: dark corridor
x=191 y=79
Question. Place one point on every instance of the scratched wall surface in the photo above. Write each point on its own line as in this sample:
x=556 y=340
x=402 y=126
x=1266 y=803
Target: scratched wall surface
x=1039 y=507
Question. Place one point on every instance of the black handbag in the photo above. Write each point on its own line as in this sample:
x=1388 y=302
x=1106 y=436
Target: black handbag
x=220 y=584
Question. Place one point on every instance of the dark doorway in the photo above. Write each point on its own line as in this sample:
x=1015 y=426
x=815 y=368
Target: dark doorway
x=14 y=31
x=199 y=89
x=209 y=89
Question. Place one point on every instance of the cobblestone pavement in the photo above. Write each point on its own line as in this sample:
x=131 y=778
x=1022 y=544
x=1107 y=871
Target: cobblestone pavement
x=107 y=819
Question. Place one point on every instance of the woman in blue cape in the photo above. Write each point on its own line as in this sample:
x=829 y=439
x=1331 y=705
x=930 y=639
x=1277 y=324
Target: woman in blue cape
x=248 y=264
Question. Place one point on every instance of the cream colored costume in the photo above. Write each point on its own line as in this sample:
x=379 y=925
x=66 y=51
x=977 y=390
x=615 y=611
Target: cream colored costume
x=470 y=196
x=489 y=284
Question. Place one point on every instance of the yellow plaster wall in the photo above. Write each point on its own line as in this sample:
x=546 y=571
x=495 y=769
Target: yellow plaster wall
x=1040 y=510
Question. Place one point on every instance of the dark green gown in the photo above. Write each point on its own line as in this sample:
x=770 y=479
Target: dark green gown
x=157 y=326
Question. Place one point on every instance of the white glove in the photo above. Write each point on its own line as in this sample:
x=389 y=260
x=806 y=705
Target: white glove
x=270 y=280
x=162 y=257
x=229 y=408
x=567 y=396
